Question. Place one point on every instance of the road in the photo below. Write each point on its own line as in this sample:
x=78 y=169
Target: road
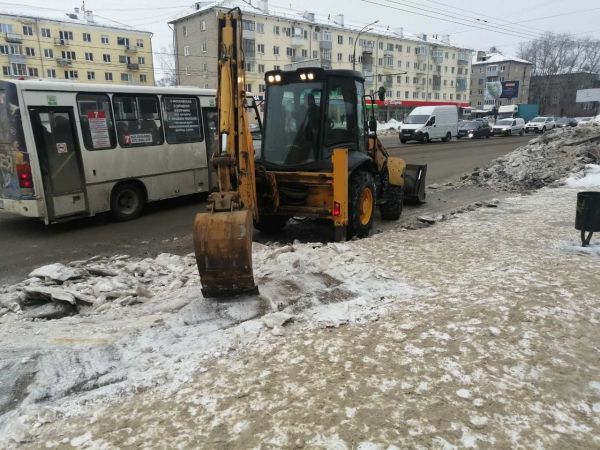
x=166 y=226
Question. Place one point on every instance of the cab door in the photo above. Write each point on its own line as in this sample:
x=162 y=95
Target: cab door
x=60 y=161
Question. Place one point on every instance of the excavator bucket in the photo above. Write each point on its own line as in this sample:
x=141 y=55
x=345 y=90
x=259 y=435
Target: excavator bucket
x=223 y=247
x=414 y=183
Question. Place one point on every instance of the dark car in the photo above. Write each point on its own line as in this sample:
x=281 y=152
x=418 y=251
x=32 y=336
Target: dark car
x=474 y=129
x=564 y=122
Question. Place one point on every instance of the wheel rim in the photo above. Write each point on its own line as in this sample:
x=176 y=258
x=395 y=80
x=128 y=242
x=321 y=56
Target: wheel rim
x=366 y=206
x=127 y=202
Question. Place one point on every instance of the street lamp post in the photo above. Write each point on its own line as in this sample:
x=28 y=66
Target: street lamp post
x=356 y=41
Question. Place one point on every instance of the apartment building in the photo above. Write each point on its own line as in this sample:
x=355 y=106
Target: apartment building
x=493 y=70
x=76 y=48
x=415 y=70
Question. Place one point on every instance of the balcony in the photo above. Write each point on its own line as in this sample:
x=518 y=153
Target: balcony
x=14 y=38
x=463 y=59
x=297 y=41
x=63 y=62
x=367 y=46
x=491 y=71
x=388 y=53
x=17 y=59
x=131 y=49
x=133 y=66
x=326 y=63
x=438 y=56
x=248 y=34
x=436 y=87
x=461 y=84
x=61 y=41
x=388 y=84
x=325 y=45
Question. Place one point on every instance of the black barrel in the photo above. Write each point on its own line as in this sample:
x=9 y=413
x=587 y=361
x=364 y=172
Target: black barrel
x=587 y=217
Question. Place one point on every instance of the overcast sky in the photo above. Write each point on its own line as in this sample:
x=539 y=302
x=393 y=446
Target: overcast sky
x=503 y=24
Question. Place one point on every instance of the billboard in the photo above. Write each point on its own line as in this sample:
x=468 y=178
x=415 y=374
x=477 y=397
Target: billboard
x=501 y=89
x=587 y=95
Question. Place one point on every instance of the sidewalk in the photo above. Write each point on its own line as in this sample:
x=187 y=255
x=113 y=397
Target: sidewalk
x=486 y=337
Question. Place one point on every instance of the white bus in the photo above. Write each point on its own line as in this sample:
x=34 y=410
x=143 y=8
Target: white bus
x=71 y=150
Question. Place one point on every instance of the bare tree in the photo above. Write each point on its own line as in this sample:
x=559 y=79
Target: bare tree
x=167 y=70
x=554 y=54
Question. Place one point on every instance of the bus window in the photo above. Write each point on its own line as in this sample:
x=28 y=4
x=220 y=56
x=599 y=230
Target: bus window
x=182 y=119
x=138 y=120
x=97 y=125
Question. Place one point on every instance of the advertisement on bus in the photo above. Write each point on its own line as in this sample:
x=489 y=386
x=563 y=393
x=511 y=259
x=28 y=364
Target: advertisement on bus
x=13 y=153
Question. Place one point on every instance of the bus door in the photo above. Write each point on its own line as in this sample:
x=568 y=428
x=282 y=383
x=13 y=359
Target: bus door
x=60 y=162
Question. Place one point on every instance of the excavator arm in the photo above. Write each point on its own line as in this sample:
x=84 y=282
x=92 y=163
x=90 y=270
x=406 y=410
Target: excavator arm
x=223 y=235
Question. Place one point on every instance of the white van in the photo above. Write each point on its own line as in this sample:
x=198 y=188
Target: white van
x=425 y=123
x=508 y=127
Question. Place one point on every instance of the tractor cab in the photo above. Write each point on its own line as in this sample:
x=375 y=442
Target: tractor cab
x=308 y=113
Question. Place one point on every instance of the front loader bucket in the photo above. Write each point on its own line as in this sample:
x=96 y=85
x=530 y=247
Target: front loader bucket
x=223 y=247
x=414 y=183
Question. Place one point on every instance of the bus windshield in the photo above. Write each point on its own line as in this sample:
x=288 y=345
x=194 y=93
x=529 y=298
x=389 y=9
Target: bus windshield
x=12 y=142
x=292 y=134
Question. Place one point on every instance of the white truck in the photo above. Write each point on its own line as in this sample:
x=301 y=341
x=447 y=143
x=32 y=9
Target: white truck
x=425 y=123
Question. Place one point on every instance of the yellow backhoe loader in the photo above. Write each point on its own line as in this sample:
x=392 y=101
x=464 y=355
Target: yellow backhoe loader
x=320 y=158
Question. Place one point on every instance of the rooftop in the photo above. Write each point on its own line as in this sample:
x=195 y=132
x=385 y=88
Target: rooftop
x=498 y=57
x=334 y=21
x=77 y=16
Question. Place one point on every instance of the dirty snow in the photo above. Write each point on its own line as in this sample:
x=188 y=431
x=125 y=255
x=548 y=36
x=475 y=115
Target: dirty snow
x=546 y=160
x=466 y=333
x=588 y=178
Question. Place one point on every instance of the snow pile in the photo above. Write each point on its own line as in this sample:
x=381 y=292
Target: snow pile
x=543 y=161
x=133 y=323
x=589 y=178
x=389 y=127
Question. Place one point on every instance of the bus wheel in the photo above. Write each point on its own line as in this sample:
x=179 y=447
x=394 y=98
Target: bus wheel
x=127 y=201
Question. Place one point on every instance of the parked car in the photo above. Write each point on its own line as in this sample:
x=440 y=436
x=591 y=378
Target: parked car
x=474 y=129
x=564 y=122
x=540 y=125
x=584 y=120
x=507 y=127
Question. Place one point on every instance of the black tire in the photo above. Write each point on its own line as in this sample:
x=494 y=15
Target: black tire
x=393 y=198
x=403 y=141
x=360 y=181
x=543 y=129
x=457 y=137
x=270 y=224
x=127 y=201
x=448 y=137
x=487 y=136
x=425 y=139
x=521 y=133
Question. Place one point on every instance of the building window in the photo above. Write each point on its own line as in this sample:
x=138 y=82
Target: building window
x=71 y=74
x=94 y=109
x=184 y=31
x=339 y=56
x=108 y=76
x=260 y=28
x=260 y=48
x=182 y=119
x=415 y=95
x=6 y=71
x=261 y=68
x=139 y=43
x=204 y=67
x=261 y=88
x=69 y=55
x=30 y=51
x=106 y=57
x=141 y=60
x=340 y=39
x=125 y=77
x=65 y=35
x=290 y=51
x=276 y=67
x=451 y=96
x=46 y=32
x=406 y=94
x=276 y=29
x=91 y=75
x=188 y=70
x=186 y=50
x=249 y=66
x=104 y=39
x=51 y=73
x=437 y=96
x=27 y=30
x=33 y=72
x=275 y=50
x=203 y=26
x=143 y=78
x=204 y=47
x=87 y=37
x=123 y=41
x=89 y=56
